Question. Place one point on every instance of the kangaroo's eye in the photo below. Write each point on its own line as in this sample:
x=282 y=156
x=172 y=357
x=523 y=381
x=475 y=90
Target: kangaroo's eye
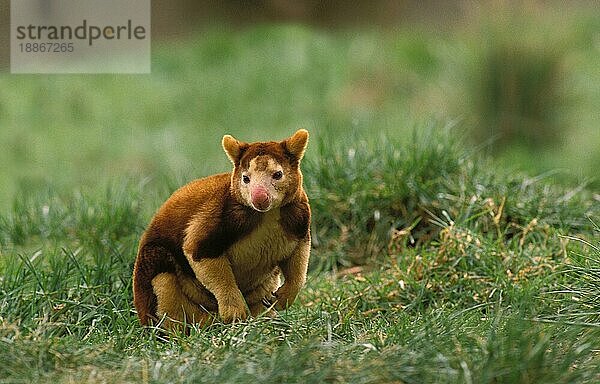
x=246 y=179
x=277 y=175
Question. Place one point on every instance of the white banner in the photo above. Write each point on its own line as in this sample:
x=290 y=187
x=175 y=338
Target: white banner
x=80 y=36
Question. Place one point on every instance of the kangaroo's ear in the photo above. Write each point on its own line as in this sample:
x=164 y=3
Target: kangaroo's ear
x=296 y=144
x=233 y=148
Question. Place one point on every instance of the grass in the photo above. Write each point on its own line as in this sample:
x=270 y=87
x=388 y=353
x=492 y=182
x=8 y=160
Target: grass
x=268 y=80
x=431 y=262
x=471 y=299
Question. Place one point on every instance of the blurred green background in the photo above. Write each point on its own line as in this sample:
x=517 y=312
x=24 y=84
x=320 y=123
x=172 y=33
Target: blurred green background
x=520 y=81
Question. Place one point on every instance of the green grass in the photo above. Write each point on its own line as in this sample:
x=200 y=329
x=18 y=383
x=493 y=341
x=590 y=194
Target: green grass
x=431 y=262
x=269 y=80
x=472 y=299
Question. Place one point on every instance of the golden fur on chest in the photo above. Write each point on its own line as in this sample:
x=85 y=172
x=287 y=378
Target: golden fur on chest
x=261 y=251
x=264 y=247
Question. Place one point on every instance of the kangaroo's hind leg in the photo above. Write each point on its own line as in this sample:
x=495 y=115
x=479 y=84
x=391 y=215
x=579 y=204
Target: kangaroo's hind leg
x=174 y=308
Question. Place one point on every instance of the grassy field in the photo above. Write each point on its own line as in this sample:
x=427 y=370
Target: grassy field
x=479 y=281
x=432 y=261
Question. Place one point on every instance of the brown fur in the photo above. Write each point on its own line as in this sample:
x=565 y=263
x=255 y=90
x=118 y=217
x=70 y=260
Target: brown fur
x=210 y=249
